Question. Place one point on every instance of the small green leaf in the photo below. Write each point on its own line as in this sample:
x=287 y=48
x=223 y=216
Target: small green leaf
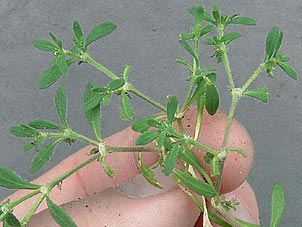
x=212 y=99
x=23 y=131
x=126 y=109
x=93 y=101
x=93 y=115
x=28 y=147
x=199 y=15
x=206 y=15
x=212 y=77
x=198 y=186
x=59 y=215
x=109 y=171
x=273 y=43
x=238 y=150
x=199 y=91
x=127 y=69
x=206 y=29
x=107 y=99
x=243 y=20
x=186 y=36
x=77 y=30
x=43 y=156
x=215 y=166
x=50 y=77
x=184 y=62
x=116 y=84
x=152 y=122
x=99 y=31
x=230 y=37
x=188 y=48
x=140 y=125
x=260 y=94
x=288 y=70
x=11 y=221
x=149 y=176
x=61 y=105
x=100 y=89
x=209 y=41
x=8 y=179
x=62 y=64
x=277 y=204
x=161 y=139
x=56 y=40
x=216 y=14
x=43 y=124
x=44 y=45
x=147 y=137
x=189 y=157
x=170 y=160
x=172 y=108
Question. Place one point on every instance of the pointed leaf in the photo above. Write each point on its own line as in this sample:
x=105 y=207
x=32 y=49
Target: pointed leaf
x=28 y=147
x=127 y=69
x=212 y=99
x=8 y=179
x=116 y=84
x=170 y=160
x=11 y=221
x=77 y=30
x=273 y=42
x=198 y=186
x=277 y=204
x=43 y=156
x=93 y=101
x=215 y=166
x=212 y=77
x=149 y=176
x=260 y=94
x=171 y=108
x=243 y=20
x=206 y=15
x=93 y=115
x=62 y=64
x=199 y=15
x=107 y=99
x=44 y=45
x=23 y=131
x=59 y=215
x=109 y=171
x=288 y=70
x=126 y=109
x=188 y=48
x=209 y=41
x=61 y=105
x=206 y=29
x=43 y=124
x=147 y=137
x=56 y=40
x=50 y=77
x=230 y=37
x=99 y=31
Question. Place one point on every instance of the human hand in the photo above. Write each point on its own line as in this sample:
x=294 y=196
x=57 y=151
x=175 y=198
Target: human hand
x=90 y=198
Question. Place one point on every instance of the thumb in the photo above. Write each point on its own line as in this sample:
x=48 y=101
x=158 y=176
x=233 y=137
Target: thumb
x=112 y=208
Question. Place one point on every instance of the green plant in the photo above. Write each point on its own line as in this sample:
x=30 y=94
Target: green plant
x=170 y=142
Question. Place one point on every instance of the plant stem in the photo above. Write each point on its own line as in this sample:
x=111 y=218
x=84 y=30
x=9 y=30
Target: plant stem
x=84 y=138
x=202 y=146
x=33 y=210
x=133 y=90
x=200 y=107
x=87 y=58
x=112 y=149
x=22 y=199
x=72 y=171
x=253 y=77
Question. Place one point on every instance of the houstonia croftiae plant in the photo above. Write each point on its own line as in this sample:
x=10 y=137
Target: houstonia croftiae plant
x=163 y=133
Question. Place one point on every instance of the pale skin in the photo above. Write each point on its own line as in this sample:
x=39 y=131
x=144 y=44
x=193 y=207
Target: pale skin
x=90 y=200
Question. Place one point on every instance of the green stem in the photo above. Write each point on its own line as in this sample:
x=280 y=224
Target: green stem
x=22 y=199
x=203 y=147
x=72 y=171
x=200 y=107
x=83 y=138
x=33 y=210
x=87 y=58
x=133 y=90
x=253 y=77
x=112 y=149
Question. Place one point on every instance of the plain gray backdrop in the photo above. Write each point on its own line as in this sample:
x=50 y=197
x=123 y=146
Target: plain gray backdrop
x=147 y=39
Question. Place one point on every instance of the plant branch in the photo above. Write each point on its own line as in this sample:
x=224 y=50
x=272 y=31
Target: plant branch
x=253 y=77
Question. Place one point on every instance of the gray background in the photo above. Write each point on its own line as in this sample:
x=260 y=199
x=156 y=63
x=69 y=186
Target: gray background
x=147 y=38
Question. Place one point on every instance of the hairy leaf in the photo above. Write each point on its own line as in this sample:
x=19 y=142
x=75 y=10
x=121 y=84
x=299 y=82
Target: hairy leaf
x=56 y=40
x=147 y=137
x=288 y=70
x=77 y=30
x=43 y=124
x=198 y=186
x=171 y=108
x=260 y=94
x=149 y=176
x=243 y=20
x=170 y=159
x=126 y=109
x=212 y=99
x=44 y=45
x=116 y=84
x=230 y=37
x=23 y=131
x=8 y=179
x=61 y=105
x=100 y=31
x=59 y=215
x=62 y=64
x=273 y=43
x=277 y=204
x=11 y=221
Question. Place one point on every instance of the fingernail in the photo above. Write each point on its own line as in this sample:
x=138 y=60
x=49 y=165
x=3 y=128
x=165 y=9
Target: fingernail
x=242 y=213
